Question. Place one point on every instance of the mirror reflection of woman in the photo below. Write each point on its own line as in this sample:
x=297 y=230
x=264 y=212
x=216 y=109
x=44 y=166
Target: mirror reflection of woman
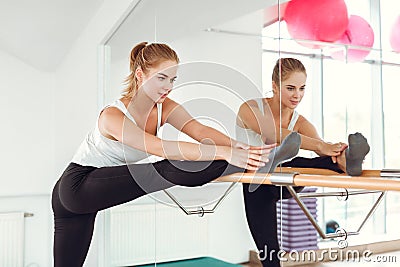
x=105 y=171
x=257 y=122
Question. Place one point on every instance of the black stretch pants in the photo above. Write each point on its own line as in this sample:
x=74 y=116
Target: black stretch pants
x=260 y=206
x=83 y=191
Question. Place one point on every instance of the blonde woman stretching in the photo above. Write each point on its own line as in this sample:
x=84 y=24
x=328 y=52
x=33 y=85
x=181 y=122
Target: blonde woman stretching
x=105 y=172
x=257 y=122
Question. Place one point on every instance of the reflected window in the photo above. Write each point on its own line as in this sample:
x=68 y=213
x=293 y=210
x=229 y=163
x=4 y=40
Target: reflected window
x=341 y=99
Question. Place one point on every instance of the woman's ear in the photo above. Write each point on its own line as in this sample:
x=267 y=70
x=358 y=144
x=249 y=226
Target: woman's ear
x=139 y=74
x=274 y=88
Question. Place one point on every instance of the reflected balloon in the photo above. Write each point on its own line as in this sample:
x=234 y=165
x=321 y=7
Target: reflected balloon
x=358 y=33
x=395 y=35
x=316 y=20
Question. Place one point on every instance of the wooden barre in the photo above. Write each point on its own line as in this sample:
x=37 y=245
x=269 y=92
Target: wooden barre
x=324 y=178
x=365 y=173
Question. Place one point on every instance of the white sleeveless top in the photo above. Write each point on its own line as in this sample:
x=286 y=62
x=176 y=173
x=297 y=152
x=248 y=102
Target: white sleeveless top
x=99 y=151
x=250 y=137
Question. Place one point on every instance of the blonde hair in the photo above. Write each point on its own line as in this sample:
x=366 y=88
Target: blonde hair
x=286 y=66
x=146 y=56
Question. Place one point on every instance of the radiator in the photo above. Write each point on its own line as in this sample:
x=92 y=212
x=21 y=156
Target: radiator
x=145 y=233
x=12 y=233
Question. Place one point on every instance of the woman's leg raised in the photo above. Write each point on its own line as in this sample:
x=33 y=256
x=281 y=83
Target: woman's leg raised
x=106 y=187
x=82 y=191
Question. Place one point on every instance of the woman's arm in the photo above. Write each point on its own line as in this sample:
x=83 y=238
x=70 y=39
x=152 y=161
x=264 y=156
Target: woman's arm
x=312 y=140
x=252 y=118
x=178 y=117
x=113 y=123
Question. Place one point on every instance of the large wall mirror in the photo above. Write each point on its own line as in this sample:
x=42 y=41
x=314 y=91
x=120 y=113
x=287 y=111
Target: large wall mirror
x=227 y=51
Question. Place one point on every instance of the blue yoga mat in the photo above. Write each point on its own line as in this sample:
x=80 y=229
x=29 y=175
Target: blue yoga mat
x=198 y=262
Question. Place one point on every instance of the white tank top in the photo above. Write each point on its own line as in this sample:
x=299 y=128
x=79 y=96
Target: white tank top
x=99 y=151
x=250 y=137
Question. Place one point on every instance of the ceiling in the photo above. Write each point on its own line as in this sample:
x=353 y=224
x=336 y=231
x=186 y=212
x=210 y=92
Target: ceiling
x=41 y=32
x=166 y=21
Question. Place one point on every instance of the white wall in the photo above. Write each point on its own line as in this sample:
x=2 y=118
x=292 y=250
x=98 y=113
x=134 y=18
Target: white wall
x=44 y=116
x=27 y=123
x=27 y=145
x=77 y=79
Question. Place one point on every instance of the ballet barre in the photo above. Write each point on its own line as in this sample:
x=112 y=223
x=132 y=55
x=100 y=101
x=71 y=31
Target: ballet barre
x=371 y=179
x=370 y=182
x=365 y=173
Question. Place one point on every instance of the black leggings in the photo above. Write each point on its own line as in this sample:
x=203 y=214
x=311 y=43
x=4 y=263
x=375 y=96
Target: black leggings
x=83 y=191
x=260 y=206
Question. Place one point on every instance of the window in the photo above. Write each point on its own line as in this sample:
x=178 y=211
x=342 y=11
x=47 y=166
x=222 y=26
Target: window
x=343 y=98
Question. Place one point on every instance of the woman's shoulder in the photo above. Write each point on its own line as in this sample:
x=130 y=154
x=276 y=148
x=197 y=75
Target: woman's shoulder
x=251 y=103
x=303 y=123
x=120 y=104
x=113 y=111
x=168 y=101
x=110 y=120
x=301 y=119
x=110 y=114
x=246 y=111
x=255 y=101
x=114 y=108
x=169 y=104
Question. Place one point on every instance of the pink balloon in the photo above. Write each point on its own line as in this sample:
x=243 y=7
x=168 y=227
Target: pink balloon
x=395 y=35
x=316 y=20
x=358 y=33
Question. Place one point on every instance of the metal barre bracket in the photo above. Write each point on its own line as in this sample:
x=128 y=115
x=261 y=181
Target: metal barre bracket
x=345 y=194
x=342 y=233
x=282 y=178
x=200 y=210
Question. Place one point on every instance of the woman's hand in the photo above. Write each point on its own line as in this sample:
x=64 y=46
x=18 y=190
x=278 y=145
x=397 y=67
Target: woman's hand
x=330 y=149
x=241 y=145
x=248 y=157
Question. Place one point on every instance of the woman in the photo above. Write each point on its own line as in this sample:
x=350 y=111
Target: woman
x=257 y=122
x=103 y=172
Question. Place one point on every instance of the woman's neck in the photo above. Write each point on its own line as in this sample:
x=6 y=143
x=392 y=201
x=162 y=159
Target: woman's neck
x=140 y=103
x=277 y=109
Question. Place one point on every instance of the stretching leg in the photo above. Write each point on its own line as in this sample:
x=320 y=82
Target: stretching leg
x=287 y=149
x=260 y=207
x=324 y=162
x=82 y=191
x=95 y=189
